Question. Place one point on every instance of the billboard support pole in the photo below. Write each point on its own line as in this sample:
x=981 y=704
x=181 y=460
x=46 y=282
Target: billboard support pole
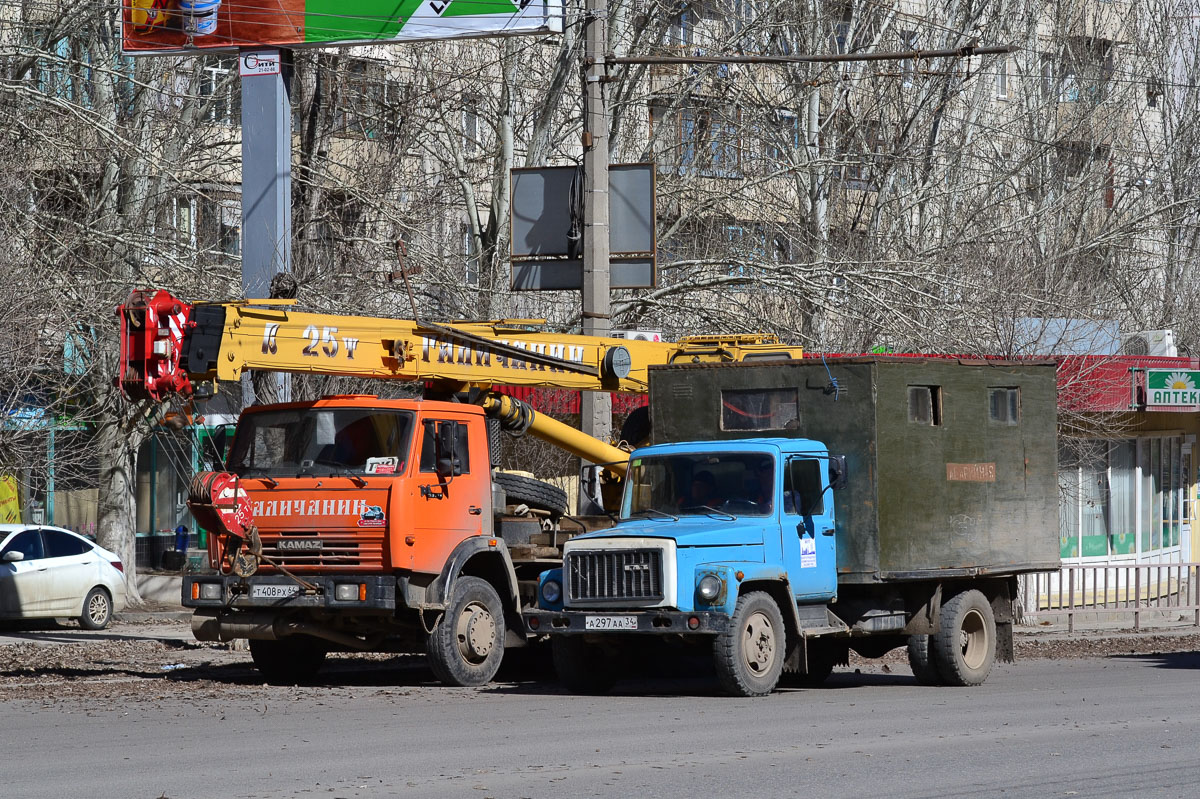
x=266 y=177
x=595 y=406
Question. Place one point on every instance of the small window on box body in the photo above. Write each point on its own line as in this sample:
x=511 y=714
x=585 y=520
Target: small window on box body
x=925 y=405
x=1004 y=405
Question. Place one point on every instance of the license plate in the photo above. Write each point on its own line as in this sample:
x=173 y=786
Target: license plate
x=273 y=591
x=610 y=623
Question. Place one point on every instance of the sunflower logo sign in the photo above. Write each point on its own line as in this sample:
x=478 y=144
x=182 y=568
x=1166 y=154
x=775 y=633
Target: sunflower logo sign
x=1172 y=387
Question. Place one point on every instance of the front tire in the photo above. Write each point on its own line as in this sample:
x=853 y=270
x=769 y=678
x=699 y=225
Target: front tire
x=964 y=649
x=749 y=655
x=97 y=610
x=288 y=661
x=467 y=645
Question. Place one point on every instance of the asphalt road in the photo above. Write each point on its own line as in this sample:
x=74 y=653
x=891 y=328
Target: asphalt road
x=1099 y=727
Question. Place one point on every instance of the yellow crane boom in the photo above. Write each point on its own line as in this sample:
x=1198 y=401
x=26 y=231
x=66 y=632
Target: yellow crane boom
x=173 y=348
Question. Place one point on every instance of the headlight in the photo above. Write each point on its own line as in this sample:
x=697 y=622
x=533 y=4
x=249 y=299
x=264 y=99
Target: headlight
x=551 y=591
x=709 y=587
x=349 y=592
x=210 y=591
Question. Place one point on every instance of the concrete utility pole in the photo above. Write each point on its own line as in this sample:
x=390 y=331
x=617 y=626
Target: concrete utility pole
x=595 y=406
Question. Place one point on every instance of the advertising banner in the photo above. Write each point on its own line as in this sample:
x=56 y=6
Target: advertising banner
x=180 y=26
x=1172 y=387
x=10 y=500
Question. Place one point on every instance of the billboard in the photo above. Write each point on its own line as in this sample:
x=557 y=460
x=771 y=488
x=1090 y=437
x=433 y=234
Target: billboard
x=544 y=210
x=181 y=26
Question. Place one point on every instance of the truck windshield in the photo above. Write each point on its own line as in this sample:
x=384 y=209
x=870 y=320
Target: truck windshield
x=319 y=441
x=736 y=483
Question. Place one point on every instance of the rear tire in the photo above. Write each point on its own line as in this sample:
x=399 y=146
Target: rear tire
x=97 y=610
x=291 y=660
x=467 y=645
x=582 y=668
x=964 y=649
x=920 y=661
x=749 y=655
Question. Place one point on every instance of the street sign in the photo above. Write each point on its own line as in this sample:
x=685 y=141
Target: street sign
x=1172 y=387
x=180 y=26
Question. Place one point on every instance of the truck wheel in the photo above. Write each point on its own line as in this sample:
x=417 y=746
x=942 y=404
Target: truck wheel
x=291 y=660
x=534 y=493
x=467 y=645
x=964 y=649
x=582 y=668
x=919 y=660
x=749 y=655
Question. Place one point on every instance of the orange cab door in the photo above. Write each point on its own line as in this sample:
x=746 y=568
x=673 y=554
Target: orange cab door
x=448 y=508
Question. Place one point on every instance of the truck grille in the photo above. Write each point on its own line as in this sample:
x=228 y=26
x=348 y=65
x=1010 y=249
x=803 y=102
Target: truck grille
x=614 y=575
x=345 y=554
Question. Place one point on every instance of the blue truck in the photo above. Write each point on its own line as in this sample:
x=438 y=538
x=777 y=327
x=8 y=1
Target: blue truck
x=854 y=504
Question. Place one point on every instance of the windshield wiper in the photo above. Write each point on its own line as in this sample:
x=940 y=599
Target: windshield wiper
x=245 y=472
x=709 y=510
x=338 y=468
x=662 y=514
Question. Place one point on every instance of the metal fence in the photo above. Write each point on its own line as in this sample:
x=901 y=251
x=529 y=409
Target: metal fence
x=1107 y=588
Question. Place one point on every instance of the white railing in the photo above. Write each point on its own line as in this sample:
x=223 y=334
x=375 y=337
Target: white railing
x=1107 y=588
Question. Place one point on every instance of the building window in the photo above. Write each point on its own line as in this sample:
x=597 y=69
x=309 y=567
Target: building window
x=470 y=251
x=1154 y=92
x=1124 y=497
x=925 y=405
x=1002 y=77
x=229 y=231
x=682 y=32
x=470 y=124
x=709 y=144
x=1004 y=405
x=908 y=67
x=220 y=93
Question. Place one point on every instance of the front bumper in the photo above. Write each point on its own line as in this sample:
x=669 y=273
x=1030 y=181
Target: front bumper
x=372 y=593
x=654 y=622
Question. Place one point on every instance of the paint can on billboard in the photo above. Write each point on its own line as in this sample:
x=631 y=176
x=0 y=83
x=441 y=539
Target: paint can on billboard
x=199 y=16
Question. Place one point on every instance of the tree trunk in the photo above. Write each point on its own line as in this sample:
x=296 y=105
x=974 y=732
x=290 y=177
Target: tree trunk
x=116 y=522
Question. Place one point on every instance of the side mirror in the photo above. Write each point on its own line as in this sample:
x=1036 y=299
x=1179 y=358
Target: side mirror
x=12 y=556
x=837 y=472
x=447 y=461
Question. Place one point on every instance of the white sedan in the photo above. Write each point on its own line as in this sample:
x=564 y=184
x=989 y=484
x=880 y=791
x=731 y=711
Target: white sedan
x=48 y=572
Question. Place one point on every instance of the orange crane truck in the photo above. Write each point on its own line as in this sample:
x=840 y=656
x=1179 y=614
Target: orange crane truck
x=365 y=524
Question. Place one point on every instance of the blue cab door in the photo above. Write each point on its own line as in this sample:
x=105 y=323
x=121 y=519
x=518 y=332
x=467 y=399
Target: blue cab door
x=807 y=521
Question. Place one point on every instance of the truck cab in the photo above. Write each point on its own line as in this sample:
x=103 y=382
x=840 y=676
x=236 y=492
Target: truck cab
x=702 y=525
x=358 y=523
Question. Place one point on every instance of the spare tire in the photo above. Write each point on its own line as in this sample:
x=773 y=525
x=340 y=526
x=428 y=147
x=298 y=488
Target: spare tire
x=636 y=428
x=534 y=493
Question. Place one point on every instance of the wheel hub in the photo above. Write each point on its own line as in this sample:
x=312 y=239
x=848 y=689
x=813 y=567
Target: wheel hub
x=476 y=633
x=758 y=643
x=97 y=608
x=972 y=639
